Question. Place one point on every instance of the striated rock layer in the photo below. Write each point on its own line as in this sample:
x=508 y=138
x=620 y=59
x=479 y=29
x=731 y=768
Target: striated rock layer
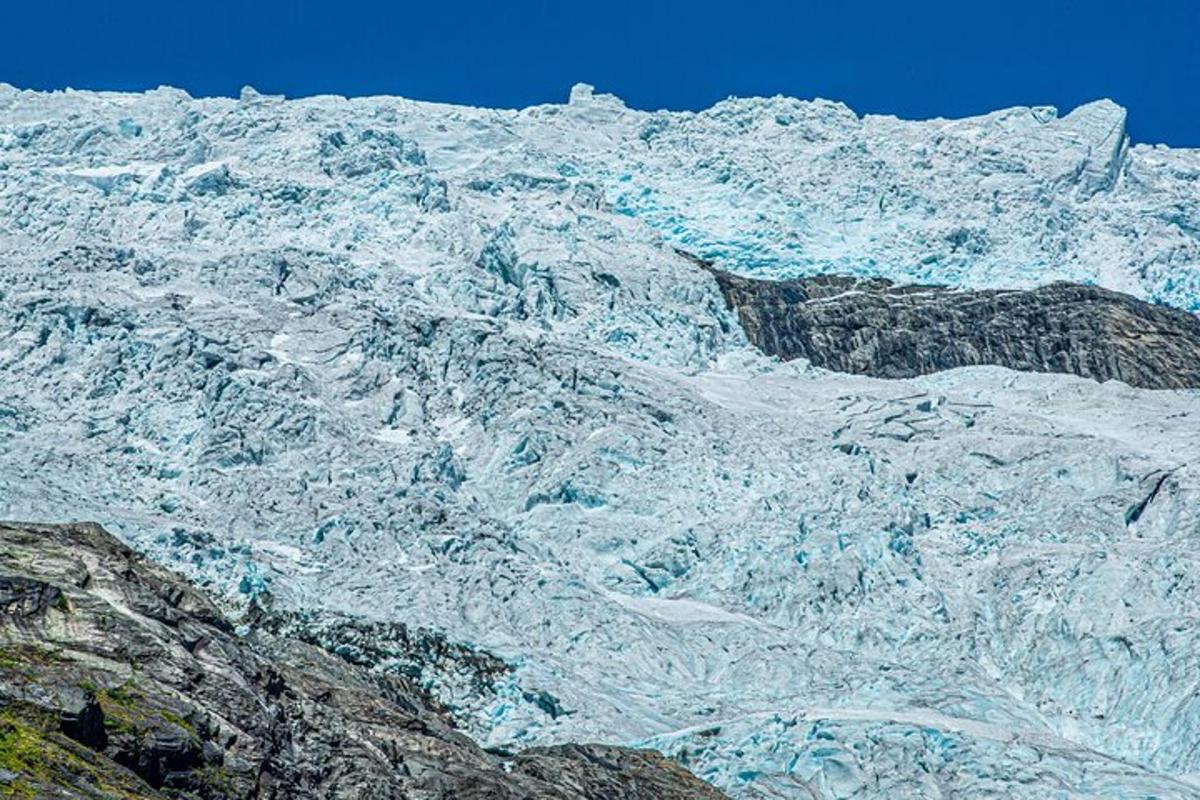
x=873 y=327
x=119 y=680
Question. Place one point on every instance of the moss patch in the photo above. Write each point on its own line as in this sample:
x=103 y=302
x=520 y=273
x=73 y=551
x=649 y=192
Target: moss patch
x=23 y=753
x=128 y=710
x=23 y=658
x=44 y=760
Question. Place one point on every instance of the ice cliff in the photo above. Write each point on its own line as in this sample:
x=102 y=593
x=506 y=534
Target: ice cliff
x=434 y=365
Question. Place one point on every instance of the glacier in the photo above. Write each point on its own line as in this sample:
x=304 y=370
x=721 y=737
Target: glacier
x=443 y=366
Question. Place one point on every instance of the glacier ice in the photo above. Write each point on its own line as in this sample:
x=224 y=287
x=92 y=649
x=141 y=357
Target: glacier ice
x=442 y=366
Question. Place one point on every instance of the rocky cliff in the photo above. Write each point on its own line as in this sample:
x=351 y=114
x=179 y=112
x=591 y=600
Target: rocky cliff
x=874 y=327
x=119 y=680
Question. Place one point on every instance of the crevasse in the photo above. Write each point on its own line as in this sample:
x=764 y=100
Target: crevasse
x=442 y=366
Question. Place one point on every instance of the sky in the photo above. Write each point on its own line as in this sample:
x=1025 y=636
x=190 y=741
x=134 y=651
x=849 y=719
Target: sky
x=915 y=59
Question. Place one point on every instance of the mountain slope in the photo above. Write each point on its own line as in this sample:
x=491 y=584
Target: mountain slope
x=421 y=365
x=119 y=680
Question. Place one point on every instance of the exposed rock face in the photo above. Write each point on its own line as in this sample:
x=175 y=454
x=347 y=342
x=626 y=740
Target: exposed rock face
x=119 y=680
x=872 y=327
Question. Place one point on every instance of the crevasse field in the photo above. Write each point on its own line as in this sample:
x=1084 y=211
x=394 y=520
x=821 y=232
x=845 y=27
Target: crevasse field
x=442 y=366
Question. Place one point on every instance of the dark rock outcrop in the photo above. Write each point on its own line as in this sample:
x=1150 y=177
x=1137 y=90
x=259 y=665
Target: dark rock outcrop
x=873 y=327
x=120 y=680
x=419 y=654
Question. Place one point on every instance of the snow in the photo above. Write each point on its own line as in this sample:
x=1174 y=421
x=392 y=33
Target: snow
x=680 y=610
x=441 y=365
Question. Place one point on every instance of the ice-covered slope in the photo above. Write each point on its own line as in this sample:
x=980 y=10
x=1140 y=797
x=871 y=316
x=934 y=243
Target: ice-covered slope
x=427 y=363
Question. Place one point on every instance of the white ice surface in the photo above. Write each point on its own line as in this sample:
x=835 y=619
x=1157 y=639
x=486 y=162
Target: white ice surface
x=440 y=365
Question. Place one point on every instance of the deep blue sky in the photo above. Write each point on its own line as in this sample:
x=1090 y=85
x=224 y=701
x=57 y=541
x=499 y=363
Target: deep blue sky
x=914 y=59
